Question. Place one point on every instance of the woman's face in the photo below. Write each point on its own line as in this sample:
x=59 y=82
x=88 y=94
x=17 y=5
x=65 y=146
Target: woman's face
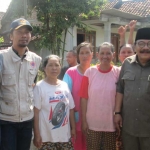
x=125 y=52
x=105 y=55
x=52 y=68
x=85 y=55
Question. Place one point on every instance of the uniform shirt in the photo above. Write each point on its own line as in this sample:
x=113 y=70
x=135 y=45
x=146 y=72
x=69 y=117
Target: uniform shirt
x=63 y=71
x=134 y=84
x=54 y=103
x=99 y=88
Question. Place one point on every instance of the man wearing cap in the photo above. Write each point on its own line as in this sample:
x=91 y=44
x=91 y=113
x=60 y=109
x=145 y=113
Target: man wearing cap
x=132 y=110
x=18 y=69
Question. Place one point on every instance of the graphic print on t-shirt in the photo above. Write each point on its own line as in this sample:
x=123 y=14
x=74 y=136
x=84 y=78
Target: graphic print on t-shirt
x=58 y=109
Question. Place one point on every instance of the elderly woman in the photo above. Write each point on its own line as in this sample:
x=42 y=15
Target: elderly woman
x=126 y=50
x=53 y=110
x=98 y=90
x=73 y=78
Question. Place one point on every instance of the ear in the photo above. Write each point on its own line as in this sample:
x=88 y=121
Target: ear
x=134 y=48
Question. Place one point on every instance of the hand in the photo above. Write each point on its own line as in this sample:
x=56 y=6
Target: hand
x=118 y=121
x=132 y=24
x=37 y=141
x=122 y=30
x=73 y=134
x=85 y=128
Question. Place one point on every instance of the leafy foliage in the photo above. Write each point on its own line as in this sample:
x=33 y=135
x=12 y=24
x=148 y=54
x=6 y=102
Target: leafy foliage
x=1 y=39
x=57 y=16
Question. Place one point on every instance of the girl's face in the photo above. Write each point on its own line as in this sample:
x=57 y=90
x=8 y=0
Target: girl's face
x=125 y=52
x=105 y=55
x=85 y=55
x=52 y=68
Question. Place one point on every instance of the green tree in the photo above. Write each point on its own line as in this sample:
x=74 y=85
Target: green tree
x=56 y=16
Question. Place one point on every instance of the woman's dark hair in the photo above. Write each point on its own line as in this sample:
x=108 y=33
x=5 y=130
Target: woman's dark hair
x=106 y=44
x=83 y=44
x=47 y=58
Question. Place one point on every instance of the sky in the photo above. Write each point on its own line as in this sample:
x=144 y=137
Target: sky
x=4 y=5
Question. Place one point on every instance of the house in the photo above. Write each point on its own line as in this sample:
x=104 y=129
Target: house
x=104 y=28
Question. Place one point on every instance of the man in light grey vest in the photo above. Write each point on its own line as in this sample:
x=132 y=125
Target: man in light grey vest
x=18 y=69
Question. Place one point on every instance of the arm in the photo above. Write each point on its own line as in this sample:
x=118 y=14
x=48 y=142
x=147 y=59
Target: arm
x=118 y=105
x=72 y=124
x=132 y=25
x=83 y=114
x=121 y=32
x=37 y=137
x=1 y=67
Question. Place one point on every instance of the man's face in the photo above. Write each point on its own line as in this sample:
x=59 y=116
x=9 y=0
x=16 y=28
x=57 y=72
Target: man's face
x=71 y=58
x=21 y=37
x=142 y=48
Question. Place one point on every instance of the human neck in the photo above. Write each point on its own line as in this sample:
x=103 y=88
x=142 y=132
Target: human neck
x=73 y=64
x=105 y=67
x=21 y=50
x=83 y=67
x=52 y=81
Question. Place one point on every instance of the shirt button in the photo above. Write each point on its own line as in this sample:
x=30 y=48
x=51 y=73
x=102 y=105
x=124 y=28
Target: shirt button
x=137 y=109
x=136 y=119
x=137 y=99
x=139 y=88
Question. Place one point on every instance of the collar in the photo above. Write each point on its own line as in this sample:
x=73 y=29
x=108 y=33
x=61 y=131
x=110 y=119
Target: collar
x=134 y=59
x=16 y=57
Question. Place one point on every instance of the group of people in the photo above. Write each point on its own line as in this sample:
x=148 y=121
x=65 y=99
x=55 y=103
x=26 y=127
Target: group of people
x=84 y=109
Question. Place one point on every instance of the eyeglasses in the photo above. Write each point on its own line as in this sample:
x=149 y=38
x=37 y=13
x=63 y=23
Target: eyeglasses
x=142 y=44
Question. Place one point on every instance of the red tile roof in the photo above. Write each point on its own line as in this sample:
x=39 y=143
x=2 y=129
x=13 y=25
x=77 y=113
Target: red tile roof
x=135 y=7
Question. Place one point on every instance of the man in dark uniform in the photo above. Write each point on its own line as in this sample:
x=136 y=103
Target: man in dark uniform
x=132 y=110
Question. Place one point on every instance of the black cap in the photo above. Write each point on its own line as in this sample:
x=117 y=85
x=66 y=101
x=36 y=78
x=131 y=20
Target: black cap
x=143 y=34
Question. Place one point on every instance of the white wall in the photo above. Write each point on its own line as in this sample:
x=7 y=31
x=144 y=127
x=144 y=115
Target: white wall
x=71 y=39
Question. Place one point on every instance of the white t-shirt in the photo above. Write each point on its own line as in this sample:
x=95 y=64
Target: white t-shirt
x=54 y=103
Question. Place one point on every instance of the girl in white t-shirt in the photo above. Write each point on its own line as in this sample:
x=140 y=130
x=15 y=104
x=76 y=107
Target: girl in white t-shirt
x=53 y=109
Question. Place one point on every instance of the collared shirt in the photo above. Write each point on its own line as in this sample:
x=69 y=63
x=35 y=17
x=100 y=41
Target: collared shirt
x=134 y=84
x=18 y=53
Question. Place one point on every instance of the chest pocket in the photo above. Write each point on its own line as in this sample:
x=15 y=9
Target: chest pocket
x=8 y=78
x=32 y=74
x=128 y=79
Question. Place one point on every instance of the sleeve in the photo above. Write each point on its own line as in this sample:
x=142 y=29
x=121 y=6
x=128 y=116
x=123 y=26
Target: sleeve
x=83 y=93
x=120 y=83
x=71 y=101
x=1 y=67
x=37 y=97
x=68 y=80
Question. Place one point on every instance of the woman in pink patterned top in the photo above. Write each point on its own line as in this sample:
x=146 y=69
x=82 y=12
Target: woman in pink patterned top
x=98 y=90
x=73 y=78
